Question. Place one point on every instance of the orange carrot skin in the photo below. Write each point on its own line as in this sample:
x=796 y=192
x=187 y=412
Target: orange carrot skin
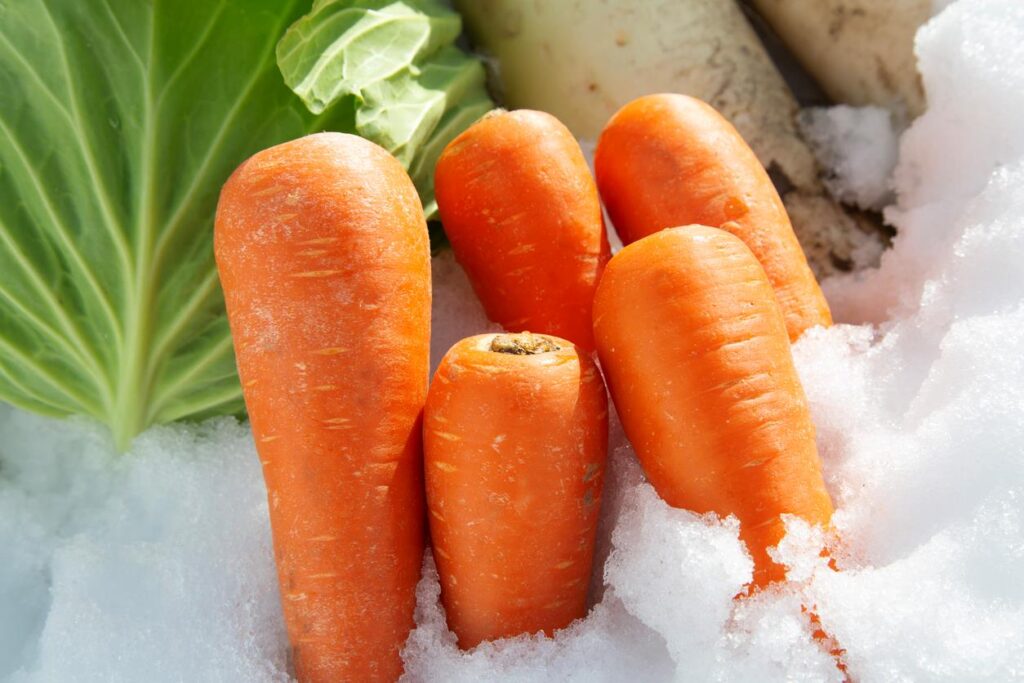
x=698 y=363
x=667 y=160
x=323 y=254
x=515 y=450
x=523 y=216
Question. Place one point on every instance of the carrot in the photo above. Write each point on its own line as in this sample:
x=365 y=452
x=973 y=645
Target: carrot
x=522 y=213
x=699 y=367
x=515 y=439
x=667 y=160
x=323 y=254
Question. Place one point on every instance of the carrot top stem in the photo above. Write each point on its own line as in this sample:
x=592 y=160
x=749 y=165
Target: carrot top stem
x=523 y=344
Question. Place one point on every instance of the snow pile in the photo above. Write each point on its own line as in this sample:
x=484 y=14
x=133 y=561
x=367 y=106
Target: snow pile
x=153 y=566
x=156 y=566
x=858 y=146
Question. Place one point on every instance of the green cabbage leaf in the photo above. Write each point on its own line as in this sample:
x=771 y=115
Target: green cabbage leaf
x=119 y=122
x=394 y=63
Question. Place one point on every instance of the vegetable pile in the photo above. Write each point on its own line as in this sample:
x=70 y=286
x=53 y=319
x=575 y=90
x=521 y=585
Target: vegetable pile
x=322 y=246
x=323 y=254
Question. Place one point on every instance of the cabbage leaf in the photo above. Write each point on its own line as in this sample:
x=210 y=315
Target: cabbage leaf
x=394 y=63
x=119 y=122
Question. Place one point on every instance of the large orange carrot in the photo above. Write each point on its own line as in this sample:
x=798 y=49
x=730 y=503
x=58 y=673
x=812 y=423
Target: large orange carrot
x=515 y=438
x=698 y=363
x=522 y=213
x=322 y=250
x=667 y=160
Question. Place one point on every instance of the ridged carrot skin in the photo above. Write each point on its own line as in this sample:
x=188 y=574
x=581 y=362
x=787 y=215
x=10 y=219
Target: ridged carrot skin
x=667 y=160
x=323 y=254
x=515 y=449
x=523 y=216
x=697 y=359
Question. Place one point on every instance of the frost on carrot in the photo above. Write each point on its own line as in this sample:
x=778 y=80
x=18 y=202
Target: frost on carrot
x=515 y=441
x=322 y=251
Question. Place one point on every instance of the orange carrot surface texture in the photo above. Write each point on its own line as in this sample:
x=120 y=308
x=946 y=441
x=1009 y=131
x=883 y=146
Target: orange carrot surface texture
x=698 y=362
x=667 y=160
x=323 y=254
x=515 y=441
x=522 y=213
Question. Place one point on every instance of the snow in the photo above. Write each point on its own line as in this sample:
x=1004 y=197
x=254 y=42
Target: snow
x=858 y=145
x=157 y=566
x=152 y=566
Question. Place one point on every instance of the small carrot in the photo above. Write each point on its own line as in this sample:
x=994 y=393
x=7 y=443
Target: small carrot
x=323 y=254
x=666 y=160
x=515 y=439
x=699 y=367
x=521 y=211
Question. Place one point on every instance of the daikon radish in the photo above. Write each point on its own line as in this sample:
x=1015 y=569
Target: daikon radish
x=860 y=51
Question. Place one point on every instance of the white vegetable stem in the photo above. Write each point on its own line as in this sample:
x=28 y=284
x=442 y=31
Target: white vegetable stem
x=860 y=51
x=583 y=59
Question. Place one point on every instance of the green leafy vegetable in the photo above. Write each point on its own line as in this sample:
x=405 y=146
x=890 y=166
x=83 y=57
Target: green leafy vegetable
x=394 y=64
x=119 y=122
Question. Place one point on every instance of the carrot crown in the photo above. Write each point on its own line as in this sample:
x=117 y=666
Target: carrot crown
x=523 y=344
